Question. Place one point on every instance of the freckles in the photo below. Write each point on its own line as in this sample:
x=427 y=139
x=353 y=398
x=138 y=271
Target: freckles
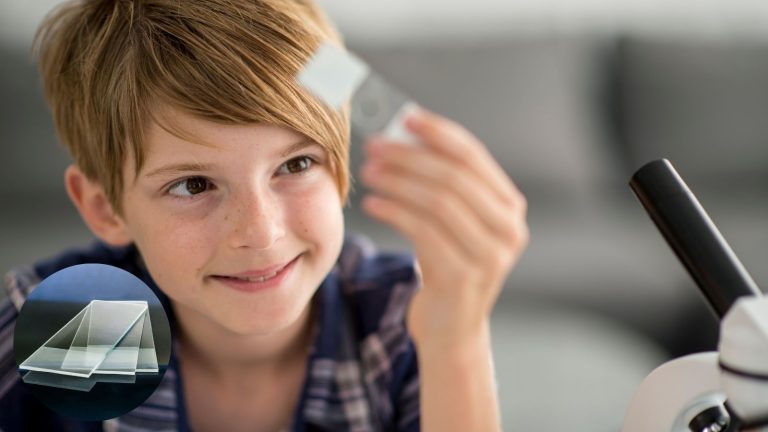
x=301 y=216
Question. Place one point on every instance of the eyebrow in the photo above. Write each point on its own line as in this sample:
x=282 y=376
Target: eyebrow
x=187 y=167
x=179 y=168
x=298 y=145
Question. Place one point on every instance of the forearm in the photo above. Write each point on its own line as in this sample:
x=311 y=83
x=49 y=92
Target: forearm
x=458 y=387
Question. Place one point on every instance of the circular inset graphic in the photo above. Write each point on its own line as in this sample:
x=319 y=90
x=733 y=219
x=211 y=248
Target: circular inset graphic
x=92 y=342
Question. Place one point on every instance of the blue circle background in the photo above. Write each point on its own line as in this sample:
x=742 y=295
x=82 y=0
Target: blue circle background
x=86 y=282
x=57 y=299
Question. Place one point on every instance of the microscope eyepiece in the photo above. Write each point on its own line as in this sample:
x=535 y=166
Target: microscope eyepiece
x=692 y=235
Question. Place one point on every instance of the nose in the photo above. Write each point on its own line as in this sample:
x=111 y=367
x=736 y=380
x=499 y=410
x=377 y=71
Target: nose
x=255 y=219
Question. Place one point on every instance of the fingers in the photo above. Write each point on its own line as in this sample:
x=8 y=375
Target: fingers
x=435 y=205
x=412 y=226
x=449 y=197
x=444 y=176
x=454 y=141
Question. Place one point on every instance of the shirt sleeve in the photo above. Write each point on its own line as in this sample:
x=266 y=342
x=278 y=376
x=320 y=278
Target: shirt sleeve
x=20 y=410
x=406 y=401
x=15 y=403
x=381 y=286
x=8 y=374
x=17 y=407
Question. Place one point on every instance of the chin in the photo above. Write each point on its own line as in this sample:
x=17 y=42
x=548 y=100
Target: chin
x=260 y=324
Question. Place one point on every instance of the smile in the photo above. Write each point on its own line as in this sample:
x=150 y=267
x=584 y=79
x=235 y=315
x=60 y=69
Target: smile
x=257 y=283
x=254 y=279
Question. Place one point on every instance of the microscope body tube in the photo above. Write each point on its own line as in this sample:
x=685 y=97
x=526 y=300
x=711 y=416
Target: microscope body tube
x=692 y=235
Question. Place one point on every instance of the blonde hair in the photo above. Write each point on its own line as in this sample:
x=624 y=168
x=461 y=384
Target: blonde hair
x=108 y=64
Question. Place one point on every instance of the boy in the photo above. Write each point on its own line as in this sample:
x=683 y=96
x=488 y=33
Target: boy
x=204 y=169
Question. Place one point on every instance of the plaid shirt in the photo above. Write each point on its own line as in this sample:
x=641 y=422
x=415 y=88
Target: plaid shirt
x=361 y=375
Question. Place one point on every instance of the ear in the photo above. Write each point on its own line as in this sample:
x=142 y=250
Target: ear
x=95 y=209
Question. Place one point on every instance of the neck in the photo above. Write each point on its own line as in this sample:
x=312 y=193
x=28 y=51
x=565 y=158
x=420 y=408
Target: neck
x=223 y=353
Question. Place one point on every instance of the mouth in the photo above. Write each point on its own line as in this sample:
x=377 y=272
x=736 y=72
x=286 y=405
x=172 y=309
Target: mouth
x=258 y=280
x=253 y=278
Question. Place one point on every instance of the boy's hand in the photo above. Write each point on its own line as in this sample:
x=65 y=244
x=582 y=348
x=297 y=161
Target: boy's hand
x=464 y=218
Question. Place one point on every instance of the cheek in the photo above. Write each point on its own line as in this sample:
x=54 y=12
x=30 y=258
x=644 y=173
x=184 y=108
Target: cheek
x=317 y=212
x=173 y=245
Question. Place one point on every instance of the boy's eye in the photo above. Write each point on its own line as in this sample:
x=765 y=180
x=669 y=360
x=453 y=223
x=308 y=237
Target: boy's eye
x=189 y=186
x=296 y=165
x=196 y=185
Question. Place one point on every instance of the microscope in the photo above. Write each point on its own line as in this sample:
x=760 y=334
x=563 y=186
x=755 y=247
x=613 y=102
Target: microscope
x=718 y=391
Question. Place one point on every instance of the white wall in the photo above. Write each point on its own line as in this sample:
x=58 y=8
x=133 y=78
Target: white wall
x=389 y=21
x=377 y=21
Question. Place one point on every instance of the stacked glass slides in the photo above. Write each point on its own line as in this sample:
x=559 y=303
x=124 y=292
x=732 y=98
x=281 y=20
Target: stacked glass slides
x=107 y=341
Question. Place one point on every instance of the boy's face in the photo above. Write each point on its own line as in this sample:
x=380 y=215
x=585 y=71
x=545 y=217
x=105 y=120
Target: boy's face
x=257 y=199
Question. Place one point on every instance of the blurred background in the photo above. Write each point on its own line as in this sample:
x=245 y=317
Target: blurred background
x=571 y=97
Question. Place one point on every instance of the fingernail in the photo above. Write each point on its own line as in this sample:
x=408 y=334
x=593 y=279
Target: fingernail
x=415 y=116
